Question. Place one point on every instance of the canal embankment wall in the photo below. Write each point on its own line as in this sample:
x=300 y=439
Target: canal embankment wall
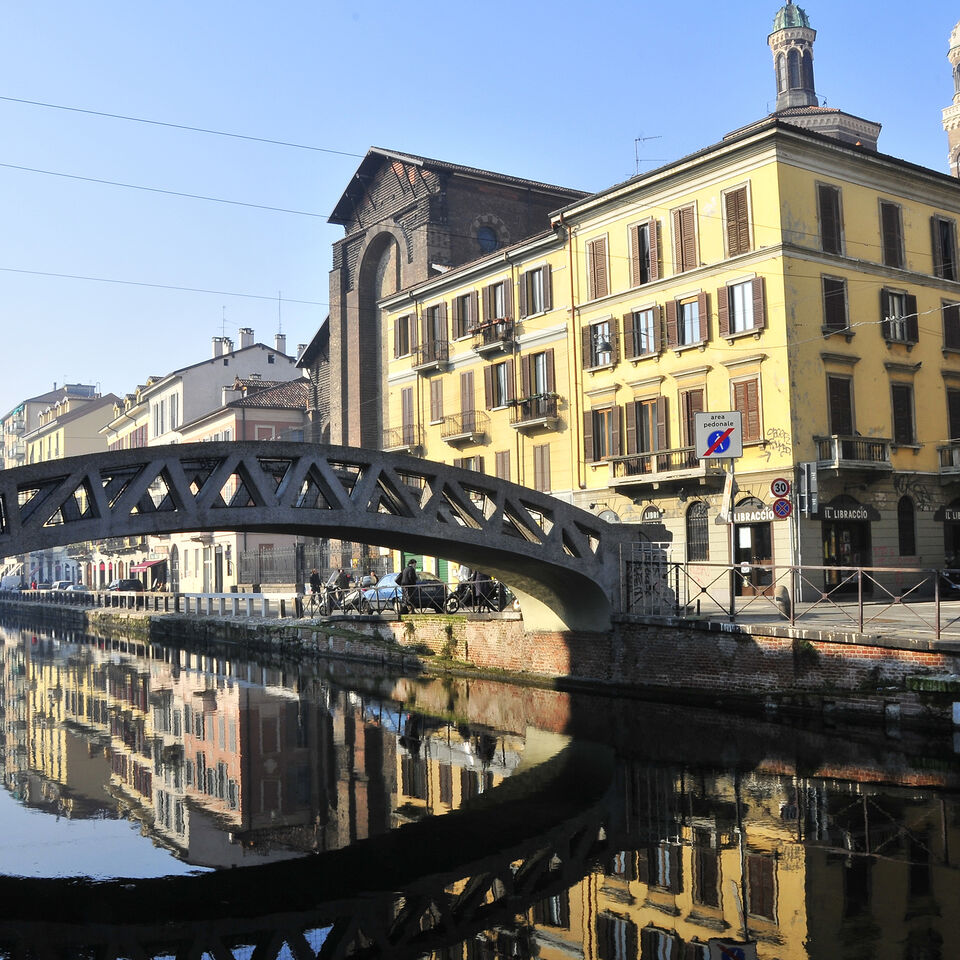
x=773 y=670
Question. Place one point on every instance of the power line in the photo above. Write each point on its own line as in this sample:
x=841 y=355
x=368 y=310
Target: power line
x=182 y=126
x=170 y=193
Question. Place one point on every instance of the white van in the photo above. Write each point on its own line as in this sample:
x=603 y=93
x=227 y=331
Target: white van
x=10 y=582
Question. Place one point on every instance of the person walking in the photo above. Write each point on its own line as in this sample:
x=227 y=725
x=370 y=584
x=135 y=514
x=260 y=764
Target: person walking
x=314 y=580
x=408 y=581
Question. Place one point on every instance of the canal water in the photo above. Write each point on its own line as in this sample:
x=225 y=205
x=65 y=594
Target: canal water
x=166 y=800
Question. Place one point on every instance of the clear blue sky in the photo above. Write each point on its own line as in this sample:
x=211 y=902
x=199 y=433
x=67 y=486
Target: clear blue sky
x=551 y=91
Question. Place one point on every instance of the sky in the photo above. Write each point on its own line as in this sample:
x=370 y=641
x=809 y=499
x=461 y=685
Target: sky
x=109 y=285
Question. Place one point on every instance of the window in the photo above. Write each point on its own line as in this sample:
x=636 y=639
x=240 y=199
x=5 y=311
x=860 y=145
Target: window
x=892 y=234
x=404 y=336
x=469 y=463
x=537 y=374
x=616 y=938
x=761 y=886
x=685 y=238
x=644 y=253
x=497 y=301
x=536 y=292
x=898 y=316
x=740 y=307
x=835 y=303
x=953 y=415
x=464 y=314
x=687 y=321
x=706 y=870
x=906 y=528
x=944 y=235
x=646 y=425
x=434 y=323
x=642 y=331
x=601 y=433
x=498 y=381
x=406 y=414
x=436 y=401
x=691 y=403
x=487 y=239
x=831 y=220
x=597 y=279
x=903 y=427
x=746 y=399
x=502 y=465
x=541 y=467
x=840 y=406
x=698 y=532
x=951 y=325
x=600 y=345
x=737 y=221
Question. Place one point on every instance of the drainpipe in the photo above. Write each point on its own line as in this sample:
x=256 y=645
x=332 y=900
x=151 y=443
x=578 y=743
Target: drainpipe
x=576 y=418
x=517 y=440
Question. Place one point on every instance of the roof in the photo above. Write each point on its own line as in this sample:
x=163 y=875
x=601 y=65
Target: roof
x=375 y=156
x=319 y=346
x=84 y=410
x=291 y=395
x=790 y=15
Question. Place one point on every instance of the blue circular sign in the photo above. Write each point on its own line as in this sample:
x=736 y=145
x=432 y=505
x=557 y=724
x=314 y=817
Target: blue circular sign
x=723 y=445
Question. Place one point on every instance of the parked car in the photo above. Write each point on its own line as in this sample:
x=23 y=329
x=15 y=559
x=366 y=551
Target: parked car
x=429 y=593
x=122 y=585
x=76 y=588
x=61 y=585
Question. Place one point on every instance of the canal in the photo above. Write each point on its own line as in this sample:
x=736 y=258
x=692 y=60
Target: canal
x=175 y=801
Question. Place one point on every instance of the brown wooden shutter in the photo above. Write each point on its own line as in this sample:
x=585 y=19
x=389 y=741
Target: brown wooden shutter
x=472 y=311
x=830 y=231
x=488 y=386
x=630 y=413
x=478 y=464
x=723 y=311
x=614 y=341
x=426 y=328
x=890 y=231
x=547 y=287
x=597 y=259
x=759 y=304
x=588 y=435
x=841 y=409
x=458 y=463
x=703 y=307
x=466 y=392
x=657 y=328
x=747 y=401
x=522 y=298
x=551 y=372
x=442 y=322
x=654 y=234
x=834 y=303
x=586 y=340
x=525 y=375
x=951 y=325
x=507 y=299
x=488 y=304
x=456 y=315
x=953 y=415
x=913 y=320
x=511 y=383
x=738 y=225
x=436 y=400
x=903 y=431
x=406 y=407
x=886 y=327
x=413 y=334
x=502 y=462
x=677 y=240
x=672 y=335
x=615 y=430
x=936 y=246
x=661 y=415
x=396 y=335
x=689 y=244
x=635 y=276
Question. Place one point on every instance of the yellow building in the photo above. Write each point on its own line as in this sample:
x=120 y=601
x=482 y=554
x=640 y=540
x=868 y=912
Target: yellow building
x=790 y=273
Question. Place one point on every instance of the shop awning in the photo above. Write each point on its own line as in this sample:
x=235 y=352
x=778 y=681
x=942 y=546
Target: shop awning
x=145 y=565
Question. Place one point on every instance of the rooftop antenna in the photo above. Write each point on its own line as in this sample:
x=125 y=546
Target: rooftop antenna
x=636 y=150
x=223 y=322
x=279 y=312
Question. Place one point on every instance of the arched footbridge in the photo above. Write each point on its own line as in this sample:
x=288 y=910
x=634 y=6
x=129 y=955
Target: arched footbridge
x=562 y=562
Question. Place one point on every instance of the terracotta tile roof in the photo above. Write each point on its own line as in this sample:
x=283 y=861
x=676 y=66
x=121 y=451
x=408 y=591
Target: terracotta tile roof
x=291 y=395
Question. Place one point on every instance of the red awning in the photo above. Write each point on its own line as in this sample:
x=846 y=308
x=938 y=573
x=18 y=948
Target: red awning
x=145 y=565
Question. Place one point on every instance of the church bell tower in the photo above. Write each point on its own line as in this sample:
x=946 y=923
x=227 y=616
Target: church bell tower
x=951 y=115
x=791 y=43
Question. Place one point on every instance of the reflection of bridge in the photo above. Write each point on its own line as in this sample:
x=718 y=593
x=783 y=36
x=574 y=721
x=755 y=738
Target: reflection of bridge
x=562 y=562
x=428 y=884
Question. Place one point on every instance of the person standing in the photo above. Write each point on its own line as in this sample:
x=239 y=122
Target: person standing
x=314 y=580
x=408 y=581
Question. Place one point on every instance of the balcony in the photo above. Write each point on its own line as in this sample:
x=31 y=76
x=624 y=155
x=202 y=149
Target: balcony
x=17 y=425
x=493 y=335
x=662 y=466
x=949 y=457
x=431 y=355
x=403 y=439
x=853 y=453
x=537 y=411
x=466 y=427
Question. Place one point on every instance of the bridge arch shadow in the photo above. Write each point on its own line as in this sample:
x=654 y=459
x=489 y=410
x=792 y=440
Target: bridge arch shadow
x=563 y=563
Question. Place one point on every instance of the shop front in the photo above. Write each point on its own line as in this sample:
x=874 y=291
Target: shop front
x=753 y=547
x=847 y=542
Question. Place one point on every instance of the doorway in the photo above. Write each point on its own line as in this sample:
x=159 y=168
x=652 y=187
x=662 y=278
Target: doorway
x=846 y=543
x=753 y=544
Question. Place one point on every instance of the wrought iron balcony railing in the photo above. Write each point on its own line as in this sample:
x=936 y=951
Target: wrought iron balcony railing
x=461 y=427
x=658 y=466
x=493 y=335
x=853 y=453
x=405 y=438
x=431 y=355
x=540 y=410
x=949 y=457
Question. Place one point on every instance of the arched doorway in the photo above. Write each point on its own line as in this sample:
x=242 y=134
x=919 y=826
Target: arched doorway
x=753 y=547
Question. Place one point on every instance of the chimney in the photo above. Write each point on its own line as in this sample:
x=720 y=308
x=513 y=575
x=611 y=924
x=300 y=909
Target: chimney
x=229 y=393
x=246 y=337
x=280 y=343
x=218 y=346
x=300 y=348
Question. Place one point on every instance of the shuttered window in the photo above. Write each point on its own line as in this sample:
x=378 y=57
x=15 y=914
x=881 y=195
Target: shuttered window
x=898 y=316
x=536 y=291
x=684 y=238
x=746 y=399
x=953 y=414
x=467 y=402
x=597 y=279
x=901 y=395
x=831 y=223
x=502 y=464
x=537 y=374
x=691 y=403
x=601 y=433
x=737 y=221
x=687 y=321
x=436 y=400
x=498 y=382
x=406 y=413
x=951 y=325
x=642 y=332
x=644 y=253
x=541 y=467
x=835 y=303
x=497 y=301
x=741 y=307
x=840 y=403
x=464 y=314
x=646 y=426
x=944 y=239
x=404 y=336
x=892 y=233
x=601 y=345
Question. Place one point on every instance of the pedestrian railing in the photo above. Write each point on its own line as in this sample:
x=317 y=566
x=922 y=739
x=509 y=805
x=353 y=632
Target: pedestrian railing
x=864 y=599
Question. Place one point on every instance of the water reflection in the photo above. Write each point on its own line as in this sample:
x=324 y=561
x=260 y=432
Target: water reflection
x=776 y=842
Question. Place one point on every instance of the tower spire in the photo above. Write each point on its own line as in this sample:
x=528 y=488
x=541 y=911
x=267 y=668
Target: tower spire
x=951 y=115
x=791 y=43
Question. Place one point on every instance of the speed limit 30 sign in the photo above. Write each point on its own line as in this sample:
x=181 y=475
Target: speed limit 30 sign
x=780 y=487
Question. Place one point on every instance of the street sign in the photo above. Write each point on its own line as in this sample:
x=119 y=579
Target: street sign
x=732 y=950
x=782 y=508
x=718 y=436
x=780 y=487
